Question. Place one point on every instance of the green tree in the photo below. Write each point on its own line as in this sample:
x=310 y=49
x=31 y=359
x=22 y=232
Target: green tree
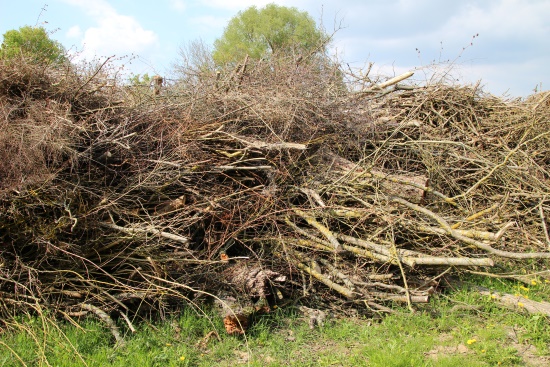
x=33 y=42
x=140 y=80
x=273 y=30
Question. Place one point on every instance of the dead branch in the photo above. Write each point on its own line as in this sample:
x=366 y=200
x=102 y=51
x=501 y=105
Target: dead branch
x=148 y=230
x=517 y=302
x=107 y=320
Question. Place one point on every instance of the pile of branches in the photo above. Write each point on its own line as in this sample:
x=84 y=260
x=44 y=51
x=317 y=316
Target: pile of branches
x=269 y=183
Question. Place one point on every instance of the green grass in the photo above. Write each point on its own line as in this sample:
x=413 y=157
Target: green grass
x=439 y=334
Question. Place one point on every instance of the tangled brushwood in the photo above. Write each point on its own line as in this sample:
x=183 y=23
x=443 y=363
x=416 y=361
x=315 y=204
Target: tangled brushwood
x=268 y=184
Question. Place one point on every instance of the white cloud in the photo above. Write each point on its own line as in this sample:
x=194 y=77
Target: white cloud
x=114 y=33
x=74 y=32
x=118 y=34
x=178 y=5
x=238 y=5
x=235 y=4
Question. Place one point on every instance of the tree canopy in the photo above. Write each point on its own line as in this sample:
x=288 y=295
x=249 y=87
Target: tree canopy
x=32 y=42
x=271 y=30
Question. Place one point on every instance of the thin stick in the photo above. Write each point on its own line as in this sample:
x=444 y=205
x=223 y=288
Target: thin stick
x=337 y=287
x=13 y=353
x=107 y=320
x=321 y=228
x=544 y=228
x=128 y=322
x=378 y=308
x=407 y=292
x=151 y=230
x=454 y=233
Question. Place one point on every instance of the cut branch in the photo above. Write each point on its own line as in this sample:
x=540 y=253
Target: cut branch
x=148 y=230
x=459 y=236
x=321 y=228
x=393 y=81
x=107 y=320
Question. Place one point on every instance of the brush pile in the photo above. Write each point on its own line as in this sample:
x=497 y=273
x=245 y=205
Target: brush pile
x=272 y=182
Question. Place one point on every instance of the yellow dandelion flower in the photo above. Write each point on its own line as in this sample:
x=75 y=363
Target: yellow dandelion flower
x=168 y=344
x=526 y=297
x=493 y=296
x=471 y=341
x=524 y=288
x=483 y=351
x=182 y=358
x=520 y=304
x=534 y=282
x=517 y=294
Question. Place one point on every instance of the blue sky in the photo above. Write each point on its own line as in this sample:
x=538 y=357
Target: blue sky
x=511 y=54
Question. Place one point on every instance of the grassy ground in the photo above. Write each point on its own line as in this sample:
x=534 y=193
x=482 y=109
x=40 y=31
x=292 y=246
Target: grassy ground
x=459 y=328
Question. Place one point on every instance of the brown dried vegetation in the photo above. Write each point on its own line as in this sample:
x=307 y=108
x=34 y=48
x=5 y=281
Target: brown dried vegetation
x=118 y=200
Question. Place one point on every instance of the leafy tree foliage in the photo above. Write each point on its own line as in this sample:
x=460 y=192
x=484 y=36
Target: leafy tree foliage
x=32 y=42
x=140 y=80
x=273 y=30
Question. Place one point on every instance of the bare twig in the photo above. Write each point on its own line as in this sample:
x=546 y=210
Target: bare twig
x=107 y=320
